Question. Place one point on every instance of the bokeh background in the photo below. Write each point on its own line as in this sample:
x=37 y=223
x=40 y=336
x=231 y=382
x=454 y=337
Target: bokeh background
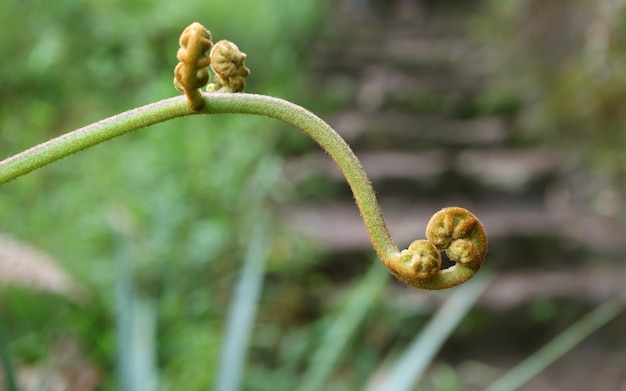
x=120 y=267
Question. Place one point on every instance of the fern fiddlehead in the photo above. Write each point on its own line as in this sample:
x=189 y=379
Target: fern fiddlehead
x=227 y=63
x=454 y=230
x=462 y=236
x=191 y=72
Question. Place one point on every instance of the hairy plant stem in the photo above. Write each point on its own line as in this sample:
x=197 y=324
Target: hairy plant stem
x=215 y=103
x=223 y=103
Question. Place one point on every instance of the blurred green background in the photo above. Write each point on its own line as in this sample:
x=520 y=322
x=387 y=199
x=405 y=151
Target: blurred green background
x=514 y=108
x=176 y=202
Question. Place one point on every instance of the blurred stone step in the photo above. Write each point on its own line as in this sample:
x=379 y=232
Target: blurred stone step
x=379 y=165
x=380 y=86
x=337 y=227
x=509 y=170
x=366 y=129
x=400 y=20
x=512 y=289
x=457 y=53
x=438 y=56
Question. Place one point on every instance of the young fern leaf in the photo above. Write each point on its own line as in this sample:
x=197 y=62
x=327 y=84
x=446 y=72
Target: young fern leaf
x=227 y=63
x=454 y=230
x=191 y=72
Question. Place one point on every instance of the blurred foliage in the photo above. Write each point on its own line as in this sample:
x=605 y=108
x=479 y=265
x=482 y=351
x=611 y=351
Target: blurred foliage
x=186 y=187
x=186 y=190
x=565 y=60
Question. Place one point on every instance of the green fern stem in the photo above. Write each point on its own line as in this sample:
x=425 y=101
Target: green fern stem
x=215 y=103
x=418 y=266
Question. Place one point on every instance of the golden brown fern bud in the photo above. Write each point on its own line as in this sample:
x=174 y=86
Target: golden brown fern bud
x=460 y=234
x=191 y=72
x=453 y=230
x=227 y=61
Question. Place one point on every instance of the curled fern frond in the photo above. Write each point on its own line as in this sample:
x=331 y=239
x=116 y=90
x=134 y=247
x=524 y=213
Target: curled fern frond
x=227 y=63
x=453 y=230
x=191 y=72
x=460 y=234
x=421 y=261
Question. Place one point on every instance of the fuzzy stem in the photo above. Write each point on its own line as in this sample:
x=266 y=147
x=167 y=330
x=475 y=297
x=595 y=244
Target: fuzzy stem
x=453 y=229
x=217 y=103
x=329 y=140
x=88 y=136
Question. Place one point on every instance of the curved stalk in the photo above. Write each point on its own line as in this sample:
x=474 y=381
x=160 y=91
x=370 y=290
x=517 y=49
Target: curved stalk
x=222 y=103
x=463 y=236
x=90 y=135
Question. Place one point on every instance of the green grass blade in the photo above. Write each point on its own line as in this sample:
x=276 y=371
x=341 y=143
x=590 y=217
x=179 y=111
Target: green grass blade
x=560 y=345
x=7 y=365
x=410 y=367
x=345 y=324
x=243 y=310
x=124 y=298
x=135 y=316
